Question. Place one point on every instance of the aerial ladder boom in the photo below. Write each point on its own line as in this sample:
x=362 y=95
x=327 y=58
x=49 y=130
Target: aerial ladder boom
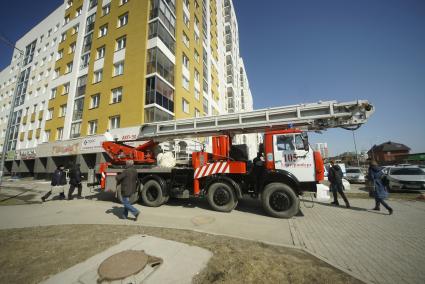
x=308 y=117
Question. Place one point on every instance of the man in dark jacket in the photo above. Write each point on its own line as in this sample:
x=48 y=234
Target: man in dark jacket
x=335 y=178
x=58 y=183
x=380 y=191
x=75 y=178
x=128 y=181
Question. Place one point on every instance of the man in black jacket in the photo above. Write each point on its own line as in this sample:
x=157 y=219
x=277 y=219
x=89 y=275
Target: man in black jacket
x=128 y=181
x=58 y=183
x=335 y=178
x=75 y=177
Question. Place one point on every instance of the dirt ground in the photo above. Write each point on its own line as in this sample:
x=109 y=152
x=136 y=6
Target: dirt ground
x=30 y=255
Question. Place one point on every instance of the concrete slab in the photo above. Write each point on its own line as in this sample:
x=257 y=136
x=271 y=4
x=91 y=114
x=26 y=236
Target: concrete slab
x=181 y=262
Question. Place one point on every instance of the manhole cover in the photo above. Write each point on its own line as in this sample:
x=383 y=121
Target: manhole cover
x=125 y=264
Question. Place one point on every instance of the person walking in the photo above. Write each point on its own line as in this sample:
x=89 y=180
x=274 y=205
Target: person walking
x=128 y=181
x=335 y=178
x=380 y=191
x=58 y=183
x=75 y=178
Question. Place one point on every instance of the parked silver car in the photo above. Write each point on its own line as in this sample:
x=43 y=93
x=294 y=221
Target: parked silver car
x=355 y=175
x=400 y=178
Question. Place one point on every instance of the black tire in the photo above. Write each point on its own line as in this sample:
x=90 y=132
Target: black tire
x=133 y=198
x=221 y=197
x=279 y=200
x=165 y=199
x=152 y=194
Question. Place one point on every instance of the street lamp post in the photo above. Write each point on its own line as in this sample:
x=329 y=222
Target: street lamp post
x=12 y=108
x=355 y=149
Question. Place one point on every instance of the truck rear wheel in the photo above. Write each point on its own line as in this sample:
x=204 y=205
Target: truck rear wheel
x=221 y=197
x=152 y=194
x=279 y=200
x=133 y=198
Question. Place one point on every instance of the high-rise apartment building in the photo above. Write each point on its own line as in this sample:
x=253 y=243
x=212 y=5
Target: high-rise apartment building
x=111 y=65
x=323 y=149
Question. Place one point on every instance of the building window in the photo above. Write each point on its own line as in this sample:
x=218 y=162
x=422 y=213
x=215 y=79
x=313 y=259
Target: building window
x=46 y=136
x=62 y=110
x=97 y=76
x=94 y=101
x=100 y=52
x=185 y=82
x=160 y=93
x=68 y=4
x=186 y=20
x=79 y=11
x=71 y=48
x=185 y=61
x=92 y=128
x=185 y=106
x=63 y=37
x=165 y=13
x=106 y=9
x=114 y=122
x=158 y=62
x=157 y=29
x=60 y=54
x=120 y=43
x=116 y=95
x=57 y=73
x=122 y=2
x=92 y=4
x=75 y=129
x=68 y=67
x=197 y=113
x=196 y=56
x=122 y=20
x=75 y=29
x=85 y=60
x=49 y=114
x=197 y=76
x=59 y=133
x=118 y=68
x=197 y=94
x=185 y=40
x=66 y=20
x=77 y=112
x=103 y=30
x=65 y=89
x=53 y=93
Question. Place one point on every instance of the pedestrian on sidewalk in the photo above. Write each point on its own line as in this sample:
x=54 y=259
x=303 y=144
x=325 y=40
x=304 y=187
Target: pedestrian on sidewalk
x=58 y=183
x=335 y=178
x=380 y=191
x=128 y=181
x=75 y=178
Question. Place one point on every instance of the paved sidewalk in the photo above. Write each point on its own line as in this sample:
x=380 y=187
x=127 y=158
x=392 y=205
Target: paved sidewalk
x=371 y=246
x=376 y=247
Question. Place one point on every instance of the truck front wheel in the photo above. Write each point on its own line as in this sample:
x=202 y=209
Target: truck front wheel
x=152 y=194
x=221 y=197
x=279 y=200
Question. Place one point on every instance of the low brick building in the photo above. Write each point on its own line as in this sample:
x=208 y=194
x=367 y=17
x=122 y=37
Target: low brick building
x=388 y=152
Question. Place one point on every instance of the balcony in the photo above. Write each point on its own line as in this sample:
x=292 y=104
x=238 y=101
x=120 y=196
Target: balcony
x=24 y=119
x=30 y=134
x=40 y=115
x=33 y=117
x=21 y=136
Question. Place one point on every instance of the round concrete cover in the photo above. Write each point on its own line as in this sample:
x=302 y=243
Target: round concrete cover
x=122 y=265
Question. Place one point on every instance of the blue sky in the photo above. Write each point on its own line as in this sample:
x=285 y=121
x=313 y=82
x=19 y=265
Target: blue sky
x=302 y=51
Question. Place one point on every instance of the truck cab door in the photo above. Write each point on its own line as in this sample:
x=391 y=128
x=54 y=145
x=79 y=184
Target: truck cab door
x=290 y=154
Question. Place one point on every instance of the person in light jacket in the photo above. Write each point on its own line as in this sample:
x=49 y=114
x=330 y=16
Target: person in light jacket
x=128 y=181
x=380 y=191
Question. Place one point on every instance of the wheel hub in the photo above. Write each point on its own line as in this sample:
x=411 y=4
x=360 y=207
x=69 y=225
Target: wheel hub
x=152 y=194
x=221 y=196
x=279 y=201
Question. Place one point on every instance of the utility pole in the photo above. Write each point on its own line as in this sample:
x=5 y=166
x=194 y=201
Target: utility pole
x=355 y=149
x=12 y=106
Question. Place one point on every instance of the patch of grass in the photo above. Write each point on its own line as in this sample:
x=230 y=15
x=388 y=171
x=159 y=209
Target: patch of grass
x=30 y=255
